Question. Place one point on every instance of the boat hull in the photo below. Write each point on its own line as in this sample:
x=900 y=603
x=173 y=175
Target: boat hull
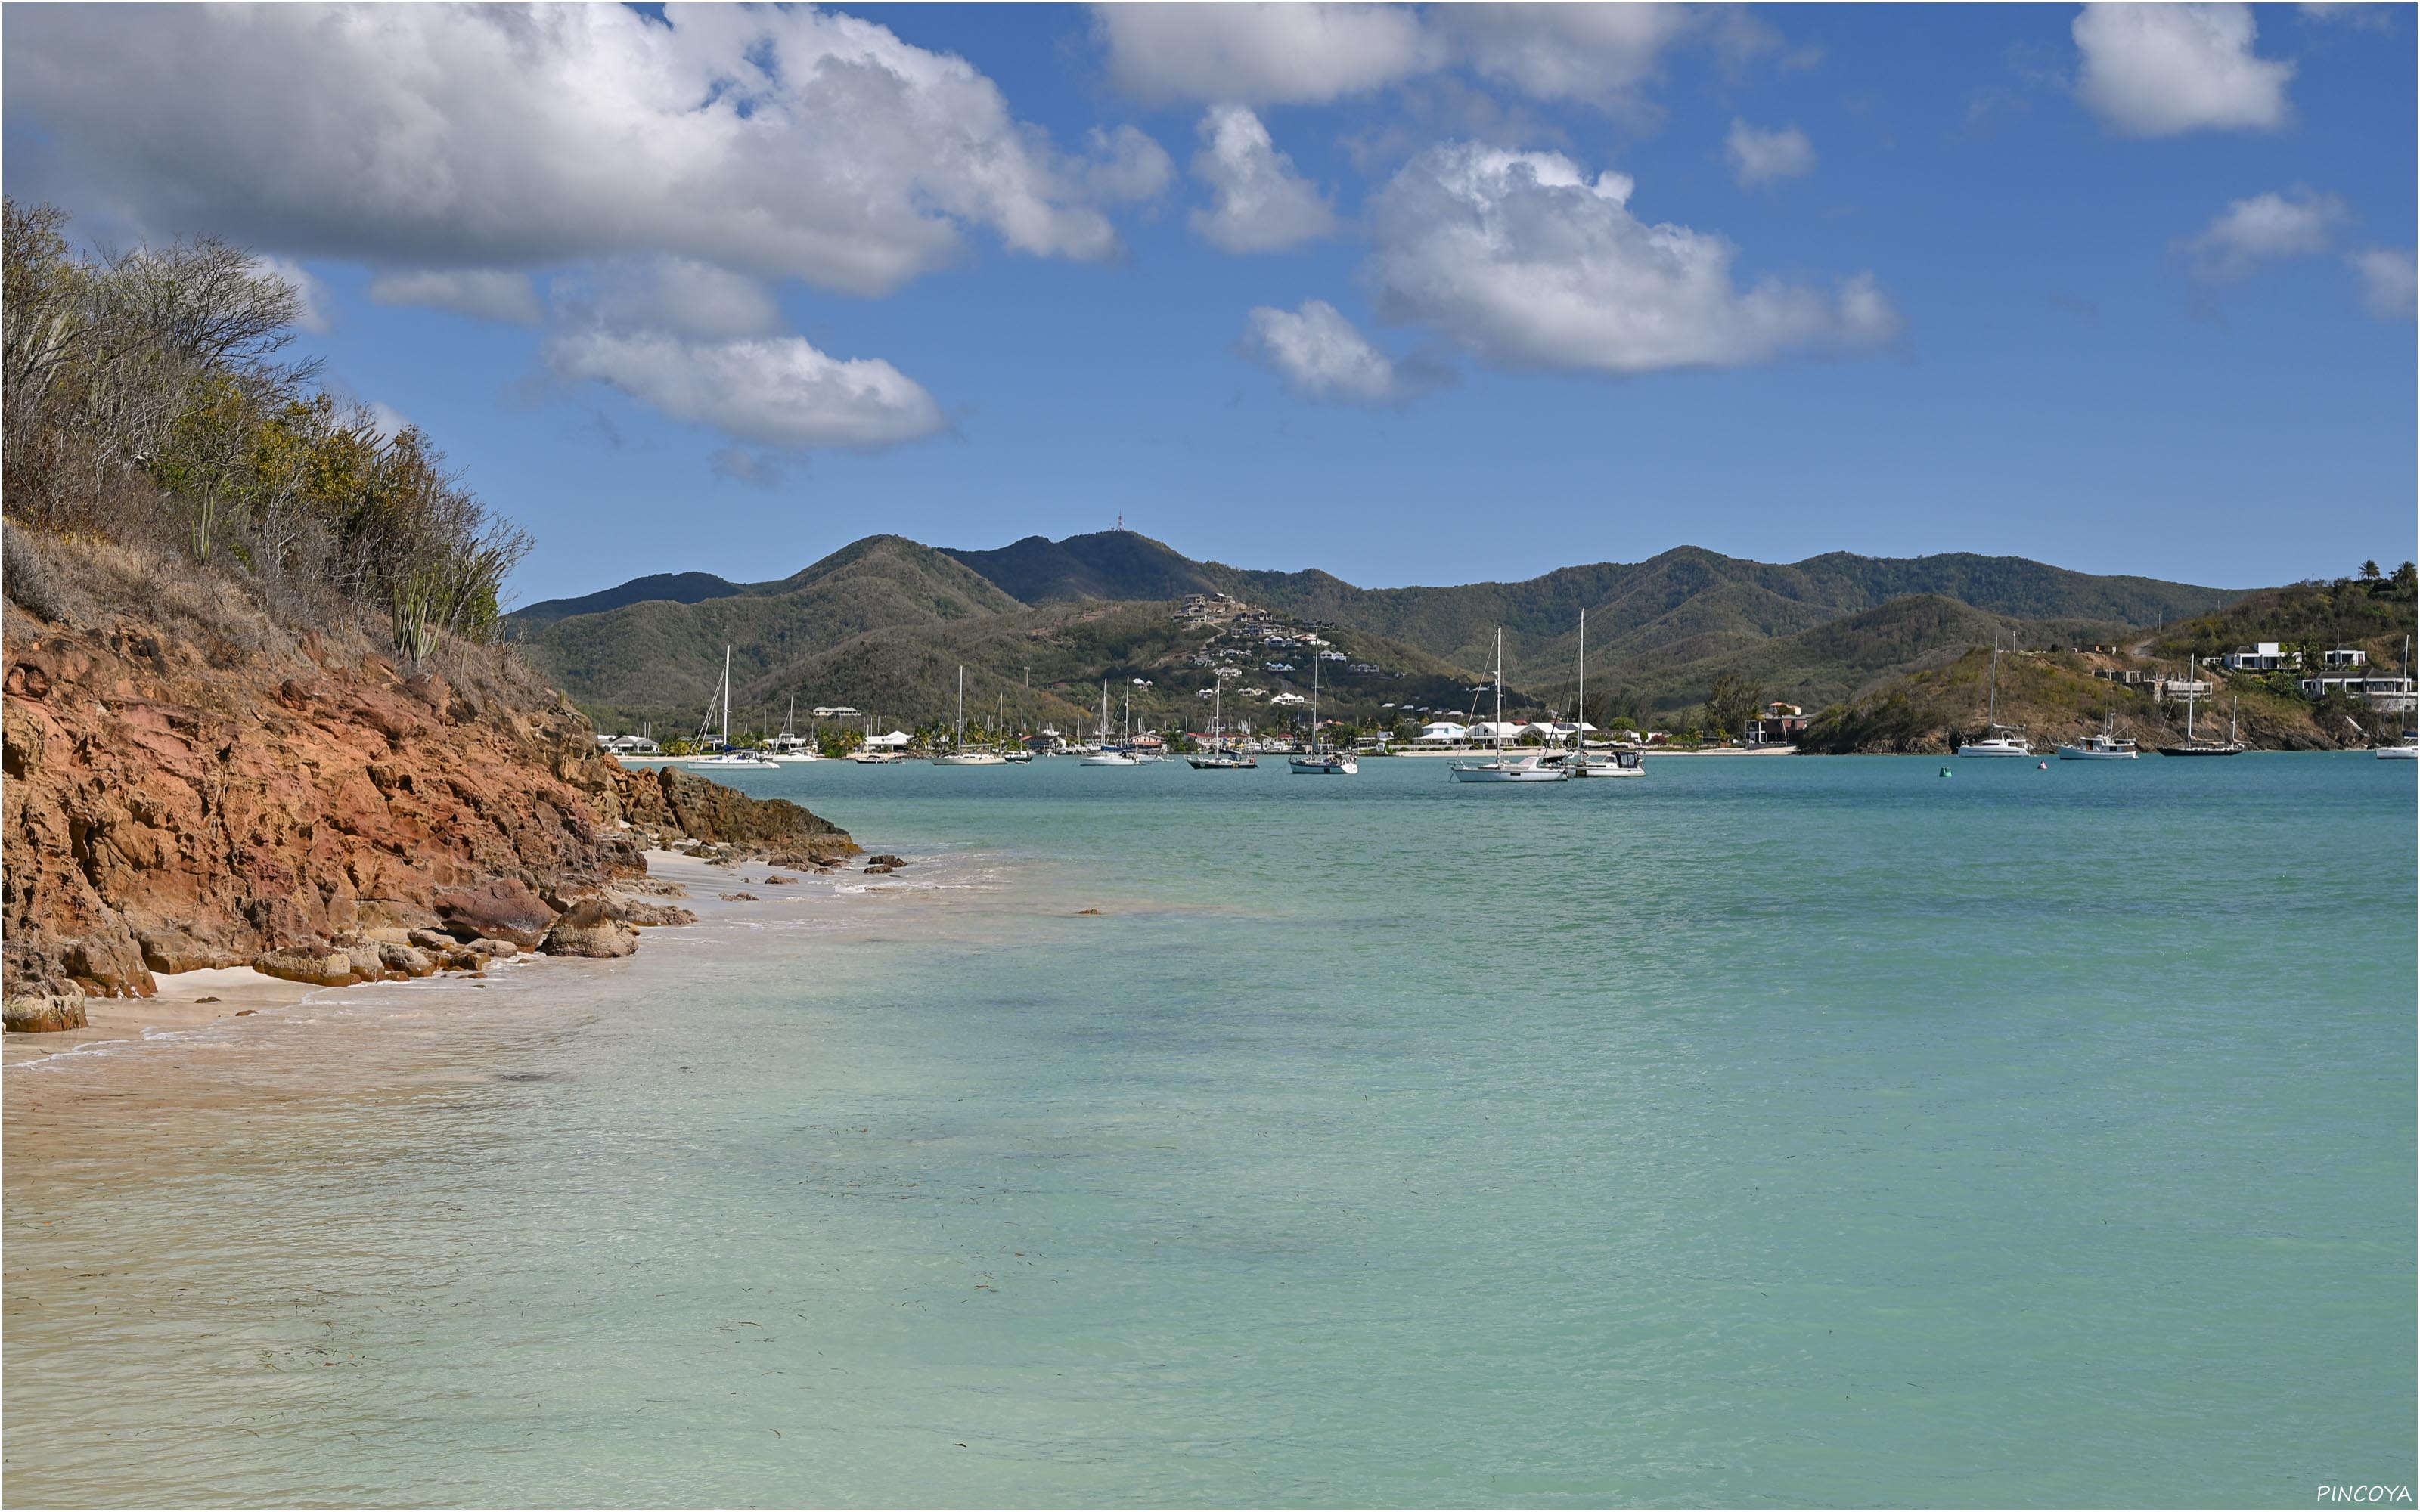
x=971 y=758
x=2018 y=752
x=1510 y=774
x=2201 y=750
x=1317 y=768
x=2079 y=753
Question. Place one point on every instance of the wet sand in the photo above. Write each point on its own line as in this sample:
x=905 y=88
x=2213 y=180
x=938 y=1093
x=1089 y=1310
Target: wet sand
x=187 y=1000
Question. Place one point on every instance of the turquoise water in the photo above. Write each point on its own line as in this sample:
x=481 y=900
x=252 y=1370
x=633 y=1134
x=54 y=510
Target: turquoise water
x=1802 y=1131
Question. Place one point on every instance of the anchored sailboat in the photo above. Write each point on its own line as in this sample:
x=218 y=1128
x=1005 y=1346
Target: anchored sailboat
x=1503 y=768
x=1994 y=743
x=957 y=755
x=724 y=757
x=1322 y=761
x=1611 y=763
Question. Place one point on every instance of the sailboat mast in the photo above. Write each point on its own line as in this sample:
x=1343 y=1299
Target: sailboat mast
x=1499 y=692
x=1579 y=718
x=958 y=735
x=726 y=697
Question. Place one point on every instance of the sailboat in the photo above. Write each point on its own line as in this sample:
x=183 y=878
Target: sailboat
x=1108 y=755
x=1611 y=763
x=1503 y=768
x=724 y=757
x=1322 y=761
x=1994 y=743
x=790 y=745
x=957 y=755
x=1220 y=758
x=2104 y=747
x=2193 y=747
x=2406 y=741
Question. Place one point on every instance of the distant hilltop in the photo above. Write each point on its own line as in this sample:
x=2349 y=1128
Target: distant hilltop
x=881 y=624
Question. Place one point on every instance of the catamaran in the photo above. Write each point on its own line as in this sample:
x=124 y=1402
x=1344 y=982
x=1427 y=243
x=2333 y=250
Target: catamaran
x=790 y=745
x=2104 y=747
x=1608 y=763
x=1994 y=743
x=724 y=757
x=957 y=755
x=2407 y=741
x=1503 y=768
x=1321 y=760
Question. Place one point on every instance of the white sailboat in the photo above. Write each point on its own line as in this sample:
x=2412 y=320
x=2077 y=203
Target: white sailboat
x=1108 y=755
x=790 y=745
x=2406 y=741
x=1508 y=769
x=726 y=758
x=1220 y=758
x=957 y=755
x=1994 y=743
x=1608 y=763
x=2194 y=744
x=1322 y=761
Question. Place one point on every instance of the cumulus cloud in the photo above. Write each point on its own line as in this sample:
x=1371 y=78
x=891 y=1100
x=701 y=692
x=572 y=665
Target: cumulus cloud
x=779 y=142
x=386 y=420
x=1595 y=54
x=774 y=391
x=1262 y=53
x=2163 y=69
x=2264 y=228
x=679 y=294
x=314 y=316
x=1320 y=352
x=1760 y=157
x=2387 y=281
x=483 y=293
x=1260 y=205
x=1522 y=259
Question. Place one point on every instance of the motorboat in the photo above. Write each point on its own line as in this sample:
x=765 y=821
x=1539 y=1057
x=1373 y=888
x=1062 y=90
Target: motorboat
x=1607 y=763
x=2104 y=747
x=1994 y=743
x=1531 y=768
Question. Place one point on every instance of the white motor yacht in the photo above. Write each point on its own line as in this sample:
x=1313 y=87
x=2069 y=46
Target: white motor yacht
x=2104 y=747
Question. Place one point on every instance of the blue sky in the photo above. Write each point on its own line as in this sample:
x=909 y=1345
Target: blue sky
x=1414 y=296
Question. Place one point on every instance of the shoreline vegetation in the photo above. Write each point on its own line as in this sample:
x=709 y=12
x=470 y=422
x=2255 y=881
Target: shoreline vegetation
x=256 y=714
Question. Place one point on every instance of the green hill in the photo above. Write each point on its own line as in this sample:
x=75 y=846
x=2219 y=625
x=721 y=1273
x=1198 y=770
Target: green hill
x=883 y=624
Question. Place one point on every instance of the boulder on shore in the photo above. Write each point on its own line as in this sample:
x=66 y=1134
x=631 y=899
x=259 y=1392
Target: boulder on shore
x=323 y=967
x=505 y=909
x=591 y=928
x=44 y=1013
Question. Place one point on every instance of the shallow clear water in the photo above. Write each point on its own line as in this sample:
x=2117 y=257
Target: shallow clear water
x=1800 y=1131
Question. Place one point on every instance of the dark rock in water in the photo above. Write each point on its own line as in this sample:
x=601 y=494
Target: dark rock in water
x=246 y=1013
x=505 y=909
x=671 y=801
x=44 y=1013
x=886 y=860
x=740 y=897
x=651 y=916
x=591 y=927
x=523 y=1076
x=1081 y=913
x=880 y=871
x=778 y=880
x=200 y=1000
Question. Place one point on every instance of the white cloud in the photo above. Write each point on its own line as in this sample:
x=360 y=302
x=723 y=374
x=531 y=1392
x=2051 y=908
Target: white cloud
x=2163 y=69
x=678 y=295
x=384 y=420
x=2387 y=281
x=1320 y=352
x=1520 y=258
x=1760 y=157
x=1594 y=54
x=315 y=317
x=2264 y=228
x=482 y=293
x=1260 y=205
x=1262 y=54
x=780 y=143
x=775 y=392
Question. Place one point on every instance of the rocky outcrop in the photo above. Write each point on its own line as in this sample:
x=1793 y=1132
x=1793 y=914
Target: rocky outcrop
x=673 y=805
x=170 y=806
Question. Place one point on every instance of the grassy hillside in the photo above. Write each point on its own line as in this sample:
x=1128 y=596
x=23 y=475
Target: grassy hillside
x=882 y=624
